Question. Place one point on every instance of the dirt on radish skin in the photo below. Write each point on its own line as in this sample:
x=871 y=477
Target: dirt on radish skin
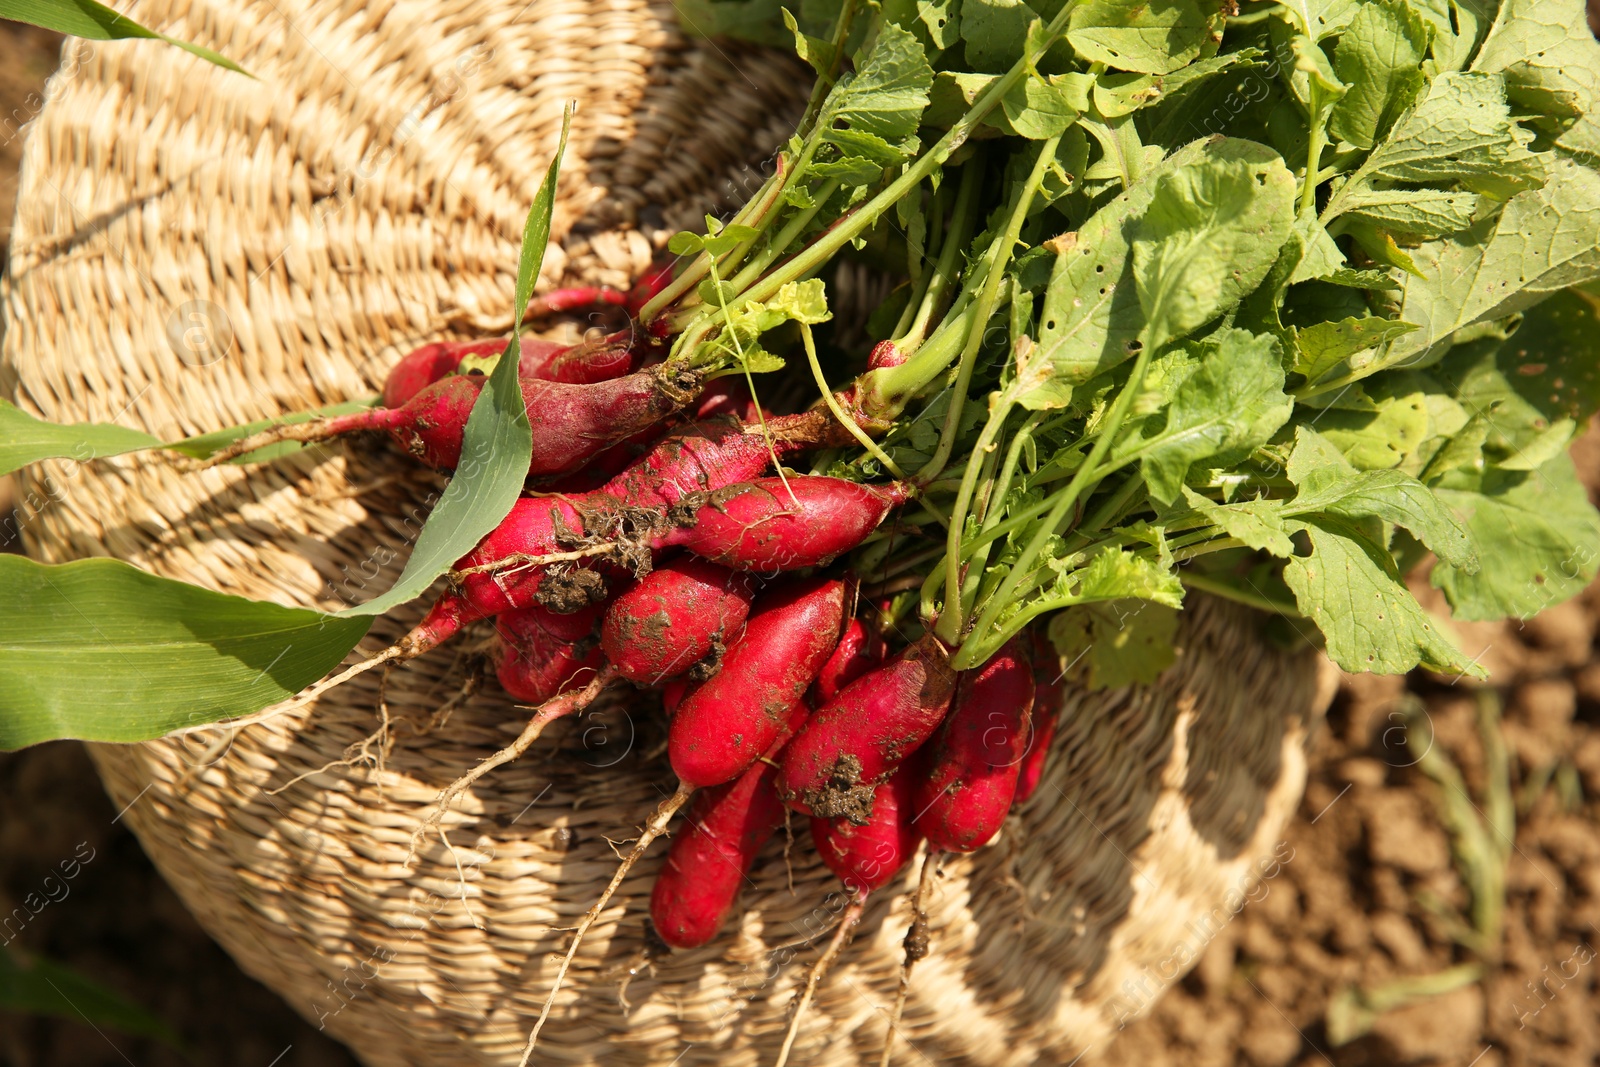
x=834 y=764
x=969 y=774
x=545 y=653
x=678 y=618
x=867 y=856
x=726 y=722
x=772 y=525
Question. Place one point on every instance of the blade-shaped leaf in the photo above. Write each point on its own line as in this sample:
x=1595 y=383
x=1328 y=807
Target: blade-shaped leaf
x=41 y=987
x=1320 y=18
x=25 y=439
x=1329 y=485
x=1379 y=58
x=1323 y=346
x=498 y=442
x=96 y=22
x=1417 y=212
x=888 y=93
x=1461 y=130
x=1544 y=240
x=994 y=32
x=1257 y=523
x=1551 y=64
x=103 y=651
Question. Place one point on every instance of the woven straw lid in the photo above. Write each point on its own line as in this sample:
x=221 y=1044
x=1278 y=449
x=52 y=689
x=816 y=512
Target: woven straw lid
x=195 y=250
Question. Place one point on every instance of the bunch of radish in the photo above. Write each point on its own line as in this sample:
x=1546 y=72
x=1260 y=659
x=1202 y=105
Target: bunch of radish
x=1101 y=382
x=664 y=545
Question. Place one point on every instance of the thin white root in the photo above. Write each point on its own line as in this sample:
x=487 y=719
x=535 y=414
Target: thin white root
x=356 y=752
x=555 y=708
x=653 y=829
x=469 y=686
x=841 y=938
x=916 y=944
x=308 y=432
x=518 y=560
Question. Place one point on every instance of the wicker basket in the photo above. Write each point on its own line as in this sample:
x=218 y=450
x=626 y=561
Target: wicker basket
x=194 y=250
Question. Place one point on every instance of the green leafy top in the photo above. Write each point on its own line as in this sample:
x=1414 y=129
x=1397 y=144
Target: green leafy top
x=1276 y=305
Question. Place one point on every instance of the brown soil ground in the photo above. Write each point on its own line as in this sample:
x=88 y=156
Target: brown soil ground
x=1347 y=911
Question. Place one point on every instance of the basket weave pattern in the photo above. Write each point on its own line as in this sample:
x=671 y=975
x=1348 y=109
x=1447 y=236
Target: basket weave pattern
x=195 y=250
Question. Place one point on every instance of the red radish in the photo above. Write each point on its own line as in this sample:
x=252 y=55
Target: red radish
x=546 y=653
x=970 y=776
x=657 y=278
x=672 y=693
x=834 y=517
x=867 y=857
x=885 y=354
x=774 y=524
x=859 y=650
x=676 y=616
x=430 y=363
x=570 y=422
x=1046 y=715
x=707 y=456
x=506 y=570
x=726 y=722
x=494 y=577
x=536 y=526
x=727 y=396
x=710 y=857
x=423 y=366
x=832 y=766
x=575 y=297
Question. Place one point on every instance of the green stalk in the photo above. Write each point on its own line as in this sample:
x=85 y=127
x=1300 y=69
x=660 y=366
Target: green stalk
x=785 y=238
x=991 y=516
x=1113 y=506
x=883 y=393
x=952 y=619
x=849 y=228
x=758 y=207
x=1308 y=188
x=954 y=243
x=922 y=279
x=690 y=307
x=825 y=82
x=775 y=186
x=1226 y=591
x=840 y=415
x=967 y=655
x=986 y=303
